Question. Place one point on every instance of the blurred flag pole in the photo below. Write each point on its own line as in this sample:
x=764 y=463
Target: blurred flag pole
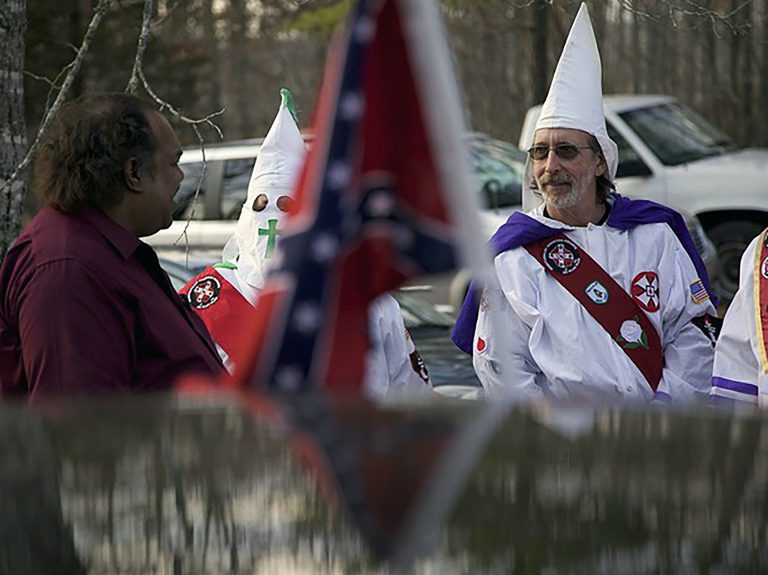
x=436 y=83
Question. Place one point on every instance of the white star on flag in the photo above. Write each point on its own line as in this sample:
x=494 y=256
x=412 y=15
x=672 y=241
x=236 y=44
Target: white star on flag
x=306 y=319
x=339 y=175
x=364 y=30
x=381 y=204
x=289 y=378
x=351 y=106
x=324 y=247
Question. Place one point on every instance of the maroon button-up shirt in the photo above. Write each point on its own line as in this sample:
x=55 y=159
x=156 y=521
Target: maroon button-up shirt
x=85 y=307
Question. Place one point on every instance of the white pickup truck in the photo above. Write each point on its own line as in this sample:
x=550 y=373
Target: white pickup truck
x=670 y=154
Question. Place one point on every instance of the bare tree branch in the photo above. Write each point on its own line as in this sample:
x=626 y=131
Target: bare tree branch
x=48 y=81
x=693 y=9
x=133 y=83
x=98 y=14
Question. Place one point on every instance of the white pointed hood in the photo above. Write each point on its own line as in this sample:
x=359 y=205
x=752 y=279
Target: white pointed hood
x=277 y=167
x=575 y=98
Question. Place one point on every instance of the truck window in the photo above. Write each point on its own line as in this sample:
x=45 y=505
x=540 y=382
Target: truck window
x=234 y=186
x=630 y=163
x=676 y=134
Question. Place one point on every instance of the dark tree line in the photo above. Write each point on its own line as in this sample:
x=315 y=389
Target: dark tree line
x=236 y=54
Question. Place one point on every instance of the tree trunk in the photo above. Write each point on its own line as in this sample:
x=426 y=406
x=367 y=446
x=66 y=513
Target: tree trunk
x=638 y=71
x=539 y=75
x=13 y=142
x=212 y=85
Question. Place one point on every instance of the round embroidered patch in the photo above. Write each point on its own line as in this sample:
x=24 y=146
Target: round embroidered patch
x=204 y=292
x=645 y=291
x=764 y=268
x=562 y=256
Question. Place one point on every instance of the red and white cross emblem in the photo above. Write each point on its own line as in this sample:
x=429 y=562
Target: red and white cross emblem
x=645 y=291
x=205 y=292
x=562 y=256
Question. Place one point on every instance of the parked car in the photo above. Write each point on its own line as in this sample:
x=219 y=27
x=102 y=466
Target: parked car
x=449 y=368
x=670 y=154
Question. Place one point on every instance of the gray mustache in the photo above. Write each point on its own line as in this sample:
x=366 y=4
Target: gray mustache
x=555 y=179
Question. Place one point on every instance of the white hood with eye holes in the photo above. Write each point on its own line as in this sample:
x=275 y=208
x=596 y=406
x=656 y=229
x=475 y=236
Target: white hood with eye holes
x=277 y=167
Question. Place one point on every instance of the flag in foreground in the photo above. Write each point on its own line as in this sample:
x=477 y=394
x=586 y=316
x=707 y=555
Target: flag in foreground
x=376 y=202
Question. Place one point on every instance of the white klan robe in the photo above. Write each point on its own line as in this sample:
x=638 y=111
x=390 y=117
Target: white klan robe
x=557 y=350
x=219 y=292
x=554 y=347
x=739 y=372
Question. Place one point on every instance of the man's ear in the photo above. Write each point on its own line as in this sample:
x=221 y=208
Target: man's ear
x=131 y=171
x=602 y=165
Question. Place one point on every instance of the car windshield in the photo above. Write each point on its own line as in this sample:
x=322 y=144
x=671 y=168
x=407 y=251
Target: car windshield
x=499 y=168
x=677 y=134
x=418 y=313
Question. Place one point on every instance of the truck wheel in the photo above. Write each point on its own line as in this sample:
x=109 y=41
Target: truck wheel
x=731 y=239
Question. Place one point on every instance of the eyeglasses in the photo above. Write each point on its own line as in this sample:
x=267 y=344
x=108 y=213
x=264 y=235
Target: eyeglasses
x=563 y=151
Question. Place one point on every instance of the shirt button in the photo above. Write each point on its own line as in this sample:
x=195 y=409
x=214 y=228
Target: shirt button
x=629 y=388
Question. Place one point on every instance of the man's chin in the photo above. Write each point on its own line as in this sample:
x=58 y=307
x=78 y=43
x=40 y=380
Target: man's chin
x=562 y=201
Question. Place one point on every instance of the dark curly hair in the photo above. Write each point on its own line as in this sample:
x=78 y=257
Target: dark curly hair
x=81 y=160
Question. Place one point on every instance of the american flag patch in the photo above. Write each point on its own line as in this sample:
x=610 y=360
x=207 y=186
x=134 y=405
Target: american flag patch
x=698 y=291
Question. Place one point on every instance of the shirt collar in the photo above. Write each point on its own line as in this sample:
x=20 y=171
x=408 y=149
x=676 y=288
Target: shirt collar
x=124 y=241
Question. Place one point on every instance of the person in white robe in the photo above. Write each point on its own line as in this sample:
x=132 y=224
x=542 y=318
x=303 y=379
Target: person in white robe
x=535 y=338
x=220 y=292
x=740 y=374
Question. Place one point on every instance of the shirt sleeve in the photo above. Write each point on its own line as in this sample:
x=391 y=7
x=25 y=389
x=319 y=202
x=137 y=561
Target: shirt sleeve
x=737 y=376
x=503 y=361
x=397 y=348
x=687 y=348
x=76 y=333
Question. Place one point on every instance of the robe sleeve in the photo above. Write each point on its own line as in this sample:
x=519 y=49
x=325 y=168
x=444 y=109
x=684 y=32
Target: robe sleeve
x=688 y=350
x=502 y=361
x=391 y=369
x=737 y=375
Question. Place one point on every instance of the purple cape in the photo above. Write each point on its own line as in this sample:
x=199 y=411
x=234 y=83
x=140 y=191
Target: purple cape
x=520 y=230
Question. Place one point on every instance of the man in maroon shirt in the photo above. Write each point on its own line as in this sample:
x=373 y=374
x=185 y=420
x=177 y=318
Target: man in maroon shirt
x=84 y=304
